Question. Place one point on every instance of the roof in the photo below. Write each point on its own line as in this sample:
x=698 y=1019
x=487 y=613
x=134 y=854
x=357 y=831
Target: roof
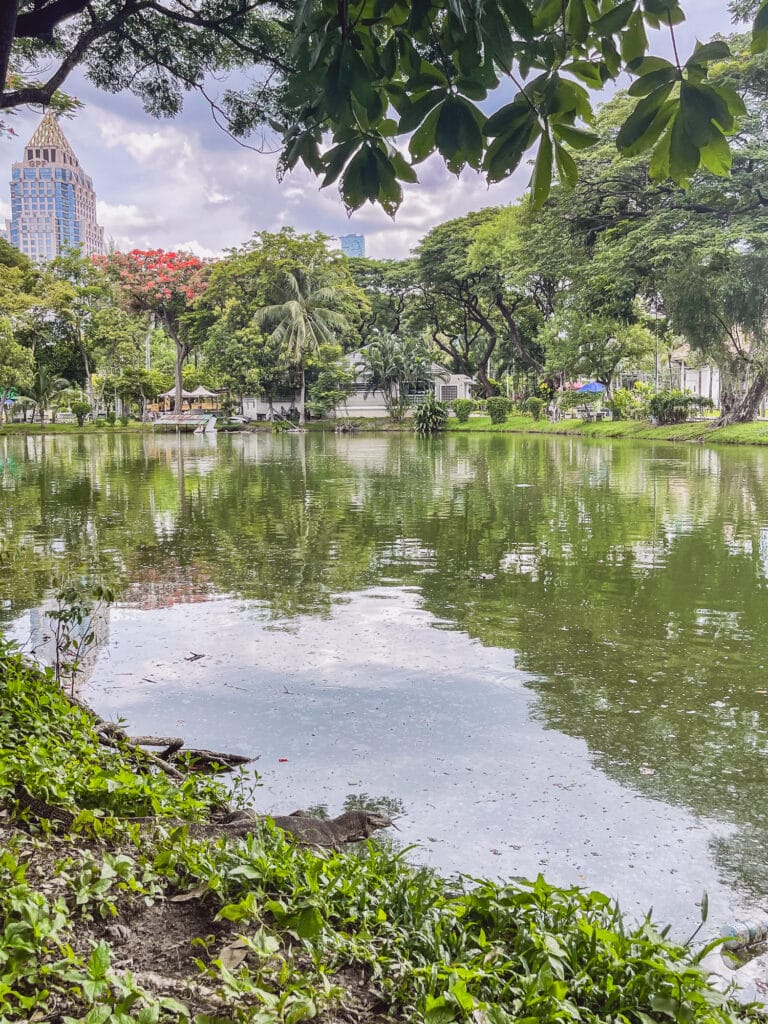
x=48 y=133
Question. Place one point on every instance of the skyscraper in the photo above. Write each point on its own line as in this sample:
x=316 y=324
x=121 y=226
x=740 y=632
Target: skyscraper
x=53 y=205
x=352 y=245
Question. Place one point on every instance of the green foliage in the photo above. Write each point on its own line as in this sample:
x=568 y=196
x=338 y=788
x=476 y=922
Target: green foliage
x=498 y=409
x=622 y=403
x=675 y=406
x=430 y=416
x=80 y=409
x=334 y=377
x=535 y=406
x=462 y=407
x=426 y=71
x=394 y=365
x=111 y=418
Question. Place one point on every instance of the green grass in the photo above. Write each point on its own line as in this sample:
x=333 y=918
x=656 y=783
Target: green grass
x=742 y=433
x=131 y=427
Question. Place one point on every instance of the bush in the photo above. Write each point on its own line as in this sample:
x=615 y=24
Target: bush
x=462 y=407
x=111 y=419
x=124 y=419
x=535 y=406
x=430 y=416
x=675 y=406
x=80 y=409
x=498 y=409
x=621 y=404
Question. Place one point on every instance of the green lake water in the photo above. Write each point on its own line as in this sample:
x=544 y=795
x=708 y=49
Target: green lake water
x=550 y=654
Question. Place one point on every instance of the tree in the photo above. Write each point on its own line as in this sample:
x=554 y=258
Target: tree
x=370 y=74
x=45 y=389
x=334 y=380
x=391 y=287
x=165 y=284
x=393 y=365
x=76 y=295
x=17 y=366
x=244 y=354
x=464 y=304
x=305 y=317
x=579 y=343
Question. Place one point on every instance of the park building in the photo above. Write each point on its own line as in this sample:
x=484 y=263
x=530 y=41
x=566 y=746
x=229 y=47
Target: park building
x=53 y=205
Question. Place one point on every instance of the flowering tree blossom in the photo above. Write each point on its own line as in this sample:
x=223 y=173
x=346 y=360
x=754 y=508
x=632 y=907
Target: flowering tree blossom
x=164 y=284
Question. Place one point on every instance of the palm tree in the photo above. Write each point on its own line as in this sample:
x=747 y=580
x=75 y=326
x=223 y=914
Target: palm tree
x=45 y=389
x=394 y=365
x=306 y=317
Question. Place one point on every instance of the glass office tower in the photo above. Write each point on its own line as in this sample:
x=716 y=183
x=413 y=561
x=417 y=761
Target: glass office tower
x=53 y=205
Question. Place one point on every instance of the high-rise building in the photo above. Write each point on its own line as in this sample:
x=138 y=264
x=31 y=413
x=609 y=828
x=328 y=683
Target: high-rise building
x=53 y=205
x=352 y=245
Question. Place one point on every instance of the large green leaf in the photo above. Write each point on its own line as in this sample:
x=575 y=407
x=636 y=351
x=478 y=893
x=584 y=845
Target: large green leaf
x=760 y=29
x=505 y=153
x=458 y=135
x=683 y=152
x=645 y=124
x=615 y=20
x=578 y=138
x=541 y=180
x=567 y=170
x=415 y=112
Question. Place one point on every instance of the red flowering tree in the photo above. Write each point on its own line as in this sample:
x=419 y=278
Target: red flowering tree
x=164 y=284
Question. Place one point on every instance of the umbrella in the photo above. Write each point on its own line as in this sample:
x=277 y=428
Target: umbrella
x=593 y=388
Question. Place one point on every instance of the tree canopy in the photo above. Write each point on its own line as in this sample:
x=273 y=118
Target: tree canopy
x=371 y=76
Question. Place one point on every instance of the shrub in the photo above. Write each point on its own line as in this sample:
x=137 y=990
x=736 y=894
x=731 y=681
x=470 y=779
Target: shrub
x=80 y=409
x=111 y=419
x=498 y=409
x=462 y=407
x=621 y=404
x=124 y=420
x=675 y=406
x=430 y=416
x=535 y=406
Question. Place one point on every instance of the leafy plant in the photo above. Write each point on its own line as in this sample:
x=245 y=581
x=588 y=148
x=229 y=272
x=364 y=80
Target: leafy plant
x=80 y=409
x=535 y=406
x=73 y=619
x=498 y=409
x=675 y=406
x=430 y=416
x=462 y=408
x=124 y=420
x=111 y=418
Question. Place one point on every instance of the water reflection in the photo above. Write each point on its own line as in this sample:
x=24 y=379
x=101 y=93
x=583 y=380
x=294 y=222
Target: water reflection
x=624 y=585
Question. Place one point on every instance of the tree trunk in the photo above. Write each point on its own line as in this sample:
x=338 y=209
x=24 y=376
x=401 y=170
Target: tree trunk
x=180 y=357
x=745 y=410
x=488 y=389
x=302 y=393
x=87 y=368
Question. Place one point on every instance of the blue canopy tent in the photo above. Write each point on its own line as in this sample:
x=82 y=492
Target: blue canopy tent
x=593 y=388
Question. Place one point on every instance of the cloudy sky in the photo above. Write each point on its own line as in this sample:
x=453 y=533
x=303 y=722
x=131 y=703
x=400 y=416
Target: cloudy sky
x=184 y=184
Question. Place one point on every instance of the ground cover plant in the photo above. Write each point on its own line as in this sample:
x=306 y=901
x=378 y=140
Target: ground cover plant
x=106 y=917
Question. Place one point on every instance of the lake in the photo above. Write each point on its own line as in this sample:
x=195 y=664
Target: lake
x=547 y=654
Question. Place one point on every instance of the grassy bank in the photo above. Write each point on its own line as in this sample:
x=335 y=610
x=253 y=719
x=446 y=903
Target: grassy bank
x=108 y=918
x=703 y=432
x=132 y=427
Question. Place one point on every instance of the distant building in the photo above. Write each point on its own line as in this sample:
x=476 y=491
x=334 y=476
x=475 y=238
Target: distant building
x=352 y=245
x=53 y=205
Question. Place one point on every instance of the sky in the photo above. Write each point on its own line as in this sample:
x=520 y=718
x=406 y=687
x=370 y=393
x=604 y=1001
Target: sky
x=184 y=184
